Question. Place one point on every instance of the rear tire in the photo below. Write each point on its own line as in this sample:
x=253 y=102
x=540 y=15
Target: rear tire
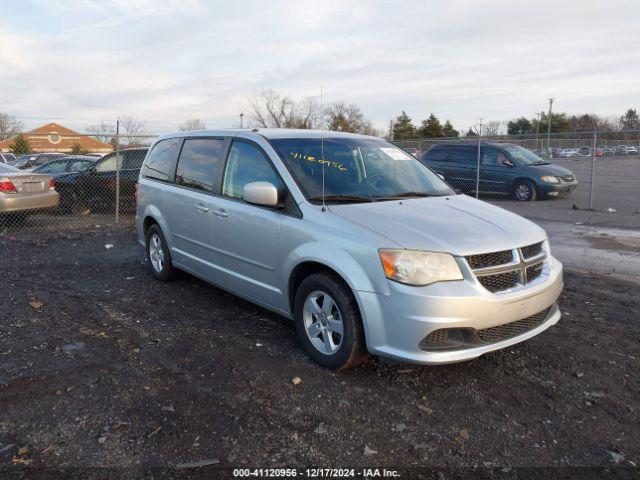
x=158 y=255
x=524 y=191
x=328 y=322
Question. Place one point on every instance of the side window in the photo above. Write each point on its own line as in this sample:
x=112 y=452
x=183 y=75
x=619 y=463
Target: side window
x=80 y=165
x=133 y=159
x=161 y=162
x=54 y=167
x=464 y=154
x=107 y=164
x=199 y=163
x=438 y=153
x=246 y=164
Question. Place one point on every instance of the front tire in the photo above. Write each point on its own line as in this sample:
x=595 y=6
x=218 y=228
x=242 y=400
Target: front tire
x=328 y=322
x=158 y=255
x=524 y=191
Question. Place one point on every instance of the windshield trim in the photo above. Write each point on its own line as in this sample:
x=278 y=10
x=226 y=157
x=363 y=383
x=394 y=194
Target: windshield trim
x=312 y=199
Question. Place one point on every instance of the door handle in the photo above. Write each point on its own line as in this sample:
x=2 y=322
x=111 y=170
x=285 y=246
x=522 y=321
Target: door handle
x=202 y=208
x=220 y=213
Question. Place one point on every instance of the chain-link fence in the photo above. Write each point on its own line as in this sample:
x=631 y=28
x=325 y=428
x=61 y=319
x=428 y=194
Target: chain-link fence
x=73 y=180
x=588 y=170
x=70 y=181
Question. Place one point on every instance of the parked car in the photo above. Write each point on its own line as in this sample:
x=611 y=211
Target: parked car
x=23 y=192
x=584 y=151
x=6 y=157
x=632 y=150
x=94 y=188
x=621 y=150
x=67 y=172
x=24 y=162
x=366 y=249
x=504 y=169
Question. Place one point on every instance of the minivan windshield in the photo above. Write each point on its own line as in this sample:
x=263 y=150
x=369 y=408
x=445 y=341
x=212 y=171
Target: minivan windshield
x=357 y=169
x=522 y=156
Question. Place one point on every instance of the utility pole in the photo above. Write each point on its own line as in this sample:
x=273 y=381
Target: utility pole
x=549 y=127
x=241 y=120
x=537 y=131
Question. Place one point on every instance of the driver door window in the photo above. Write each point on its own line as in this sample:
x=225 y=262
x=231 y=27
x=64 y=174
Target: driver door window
x=247 y=164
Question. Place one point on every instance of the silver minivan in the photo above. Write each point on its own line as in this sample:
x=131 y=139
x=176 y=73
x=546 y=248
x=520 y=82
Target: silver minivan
x=364 y=247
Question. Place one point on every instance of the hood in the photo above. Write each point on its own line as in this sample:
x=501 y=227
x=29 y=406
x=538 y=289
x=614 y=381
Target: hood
x=458 y=224
x=551 y=169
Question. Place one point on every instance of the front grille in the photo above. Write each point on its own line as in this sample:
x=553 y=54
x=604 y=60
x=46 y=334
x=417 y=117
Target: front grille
x=513 y=329
x=534 y=271
x=531 y=250
x=490 y=259
x=460 y=338
x=507 y=269
x=500 y=281
x=567 y=178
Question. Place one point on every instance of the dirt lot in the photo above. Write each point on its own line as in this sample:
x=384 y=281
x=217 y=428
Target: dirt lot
x=102 y=366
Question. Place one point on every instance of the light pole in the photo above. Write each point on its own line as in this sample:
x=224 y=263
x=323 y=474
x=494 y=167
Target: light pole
x=537 y=130
x=241 y=120
x=549 y=127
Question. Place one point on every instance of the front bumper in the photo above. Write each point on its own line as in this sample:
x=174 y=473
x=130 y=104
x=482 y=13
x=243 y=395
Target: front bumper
x=557 y=189
x=10 y=202
x=395 y=324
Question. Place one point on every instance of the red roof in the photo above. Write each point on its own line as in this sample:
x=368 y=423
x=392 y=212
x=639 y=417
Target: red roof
x=56 y=138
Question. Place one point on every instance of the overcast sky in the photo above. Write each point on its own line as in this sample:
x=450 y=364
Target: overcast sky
x=83 y=61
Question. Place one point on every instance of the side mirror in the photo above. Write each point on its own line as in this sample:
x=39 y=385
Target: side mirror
x=260 y=193
x=440 y=175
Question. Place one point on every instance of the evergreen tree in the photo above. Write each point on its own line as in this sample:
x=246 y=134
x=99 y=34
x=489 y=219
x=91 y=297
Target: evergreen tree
x=76 y=149
x=520 y=126
x=449 y=131
x=403 y=128
x=20 y=146
x=431 y=127
x=630 y=120
x=470 y=133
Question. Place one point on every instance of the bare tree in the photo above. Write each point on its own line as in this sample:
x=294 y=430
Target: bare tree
x=271 y=110
x=347 y=118
x=9 y=126
x=102 y=132
x=193 y=124
x=491 y=128
x=133 y=129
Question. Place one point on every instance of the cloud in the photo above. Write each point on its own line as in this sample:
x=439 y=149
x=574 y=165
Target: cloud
x=168 y=60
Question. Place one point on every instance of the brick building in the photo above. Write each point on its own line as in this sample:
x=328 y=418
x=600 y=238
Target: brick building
x=56 y=138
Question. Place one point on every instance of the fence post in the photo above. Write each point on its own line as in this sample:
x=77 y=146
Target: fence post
x=593 y=169
x=478 y=163
x=117 y=171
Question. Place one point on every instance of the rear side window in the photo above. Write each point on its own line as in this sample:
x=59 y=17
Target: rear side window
x=465 y=154
x=247 y=164
x=133 y=159
x=199 y=163
x=161 y=162
x=437 y=153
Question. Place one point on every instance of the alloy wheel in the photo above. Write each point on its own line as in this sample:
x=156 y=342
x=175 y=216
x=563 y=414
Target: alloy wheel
x=323 y=322
x=156 y=252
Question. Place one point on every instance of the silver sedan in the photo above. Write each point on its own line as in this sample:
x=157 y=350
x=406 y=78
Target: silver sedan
x=22 y=192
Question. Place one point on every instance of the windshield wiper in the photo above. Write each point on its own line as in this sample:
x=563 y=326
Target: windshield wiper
x=342 y=198
x=409 y=195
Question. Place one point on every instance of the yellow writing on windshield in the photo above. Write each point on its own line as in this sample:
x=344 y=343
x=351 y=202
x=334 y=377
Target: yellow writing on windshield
x=311 y=158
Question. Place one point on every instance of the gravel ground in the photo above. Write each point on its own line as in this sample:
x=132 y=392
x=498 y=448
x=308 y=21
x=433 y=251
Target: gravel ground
x=102 y=366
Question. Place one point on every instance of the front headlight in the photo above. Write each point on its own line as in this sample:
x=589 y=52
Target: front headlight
x=419 y=268
x=550 y=179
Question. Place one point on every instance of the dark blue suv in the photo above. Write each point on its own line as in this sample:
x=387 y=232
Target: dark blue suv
x=504 y=169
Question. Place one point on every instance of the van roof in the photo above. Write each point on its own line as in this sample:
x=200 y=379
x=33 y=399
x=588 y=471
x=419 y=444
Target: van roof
x=268 y=133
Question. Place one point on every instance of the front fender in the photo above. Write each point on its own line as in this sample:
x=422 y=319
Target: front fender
x=358 y=278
